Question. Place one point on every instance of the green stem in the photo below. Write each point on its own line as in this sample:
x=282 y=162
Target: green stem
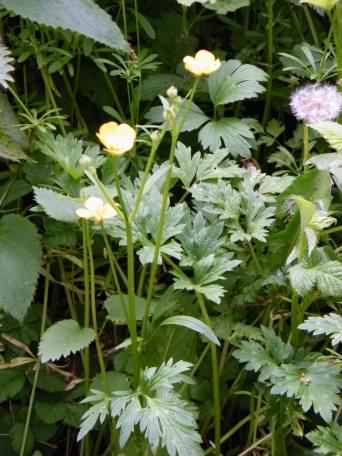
x=47 y=82
x=337 y=30
x=306 y=150
x=38 y=365
x=136 y=13
x=159 y=235
x=124 y=18
x=267 y=109
x=132 y=319
x=297 y=318
x=256 y=444
x=154 y=148
x=113 y=270
x=216 y=379
x=86 y=355
x=233 y=430
x=311 y=25
x=255 y=258
x=158 y=240
x=93 y=307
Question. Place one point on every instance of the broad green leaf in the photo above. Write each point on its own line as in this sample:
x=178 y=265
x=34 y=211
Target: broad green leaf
x=11 y=383
x=64 y=338
x=231 y=133
x=314 y=185
x=331 y=132
x=59 y=207
x=50 y=412
x=195 y=325
x=20 y=258
x=82 y=16
x=234 y=81
x=329 y=162
x=330 y=325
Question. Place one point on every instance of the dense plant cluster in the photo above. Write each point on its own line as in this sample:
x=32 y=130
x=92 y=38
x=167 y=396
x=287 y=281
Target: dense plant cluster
x=170 y=195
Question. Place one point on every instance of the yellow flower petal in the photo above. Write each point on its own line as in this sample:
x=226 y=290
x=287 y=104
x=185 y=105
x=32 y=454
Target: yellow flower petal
x=83 y=213
x=203 y=64
x=116 y=138
x=93 y=203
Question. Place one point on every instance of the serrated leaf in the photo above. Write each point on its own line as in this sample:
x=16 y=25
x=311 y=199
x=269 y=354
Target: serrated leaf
x=82 y=16
x=327 y=440
x=331 y=132
x=330 y=325
x=314 y=384
x=64 y=338
x=59 y=207
x=194 y=324
x=325 y=276
x=20 y=259
x=231 y=133
x=234 y=81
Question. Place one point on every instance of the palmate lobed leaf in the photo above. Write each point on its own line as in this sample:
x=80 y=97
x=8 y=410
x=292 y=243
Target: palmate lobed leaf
x=64 y=338
x=82 y=16
x=235 y=81
x=20 y=259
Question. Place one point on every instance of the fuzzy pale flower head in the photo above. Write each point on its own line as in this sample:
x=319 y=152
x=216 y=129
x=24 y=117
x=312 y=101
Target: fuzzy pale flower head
x=203 y=64
x=117 y=138
x=316 y=102
x=96 y=209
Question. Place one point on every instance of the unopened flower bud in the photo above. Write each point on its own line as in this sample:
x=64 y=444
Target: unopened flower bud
x=85 y=162
x=172 y=92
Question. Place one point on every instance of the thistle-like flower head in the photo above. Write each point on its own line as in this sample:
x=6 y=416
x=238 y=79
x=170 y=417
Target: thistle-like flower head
x=316 y=102
x=6 y=66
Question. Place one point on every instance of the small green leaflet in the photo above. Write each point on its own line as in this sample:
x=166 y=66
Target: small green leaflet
x=82 y=16
x=330 y=325
x=64 y=338
x=194 y=324
x=20 y=259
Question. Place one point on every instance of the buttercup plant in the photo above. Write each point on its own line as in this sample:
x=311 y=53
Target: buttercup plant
x=169 y=268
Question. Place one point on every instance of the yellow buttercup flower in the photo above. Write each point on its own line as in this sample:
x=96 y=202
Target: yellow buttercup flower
x=117 y=138
x=203 y=64
x=96 y=209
